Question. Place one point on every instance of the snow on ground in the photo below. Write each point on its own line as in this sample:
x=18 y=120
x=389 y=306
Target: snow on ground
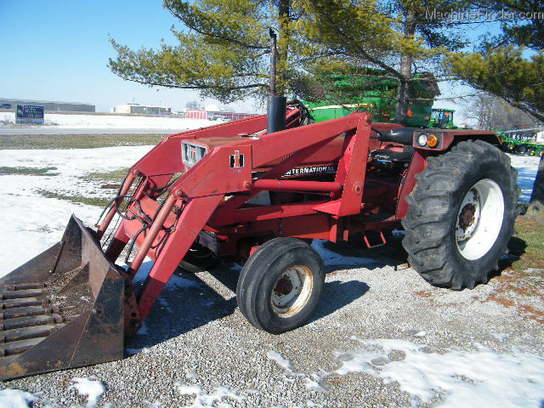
x=453 y=377
x=112 y=121
x=210 y=400
x=527 y=167
x=457 y=378
x=480 y=378
x=34 y=222
x=16 y=399
x=90 y=388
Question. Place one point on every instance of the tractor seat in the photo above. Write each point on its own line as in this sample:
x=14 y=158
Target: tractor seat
x=393 y=156
x=402 y=135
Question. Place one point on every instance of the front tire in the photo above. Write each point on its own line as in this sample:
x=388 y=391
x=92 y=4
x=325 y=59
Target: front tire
x=461 y=215
x=280 y=285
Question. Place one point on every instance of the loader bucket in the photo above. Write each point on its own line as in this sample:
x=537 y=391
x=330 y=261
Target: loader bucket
x=62 y=309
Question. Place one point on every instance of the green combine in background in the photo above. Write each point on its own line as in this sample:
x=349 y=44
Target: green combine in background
x=377 y=94
x=527 y=142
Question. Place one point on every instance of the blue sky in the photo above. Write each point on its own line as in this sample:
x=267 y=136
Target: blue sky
x=58 y=50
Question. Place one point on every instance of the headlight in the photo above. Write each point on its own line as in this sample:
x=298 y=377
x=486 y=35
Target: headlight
x=422 y=140
x=432 y=140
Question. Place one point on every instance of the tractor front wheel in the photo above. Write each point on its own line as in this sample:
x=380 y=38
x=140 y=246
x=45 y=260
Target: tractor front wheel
x=461 y=215
x=280 y=285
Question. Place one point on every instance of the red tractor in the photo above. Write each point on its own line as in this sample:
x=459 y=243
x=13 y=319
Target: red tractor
x=237 y=191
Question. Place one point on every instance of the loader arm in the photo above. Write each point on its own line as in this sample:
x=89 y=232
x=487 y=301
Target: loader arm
x=198 y=196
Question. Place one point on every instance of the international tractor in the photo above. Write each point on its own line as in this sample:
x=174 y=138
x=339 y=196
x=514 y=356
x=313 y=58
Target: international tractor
x=259 y=197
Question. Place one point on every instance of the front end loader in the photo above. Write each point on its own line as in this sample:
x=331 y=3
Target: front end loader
x=236 y=192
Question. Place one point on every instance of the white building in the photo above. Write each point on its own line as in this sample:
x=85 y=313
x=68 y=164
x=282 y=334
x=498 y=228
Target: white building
x=142 y=109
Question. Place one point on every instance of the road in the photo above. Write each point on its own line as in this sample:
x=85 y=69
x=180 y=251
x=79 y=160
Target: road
x=85 y=131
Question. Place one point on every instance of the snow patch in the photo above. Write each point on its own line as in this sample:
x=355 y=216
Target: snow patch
x=85 y=121
x=179 y=282
x=527 y=168
x=333 y=259
x=278 y=358
x=461 y=378
x=91 y=388
x=213 y=399
x=10 y=398
x=33 y=222
x=314 y=383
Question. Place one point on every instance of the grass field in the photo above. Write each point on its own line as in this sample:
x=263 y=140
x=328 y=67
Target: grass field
x=18 y=142
x=528 y=245
x=27 y=171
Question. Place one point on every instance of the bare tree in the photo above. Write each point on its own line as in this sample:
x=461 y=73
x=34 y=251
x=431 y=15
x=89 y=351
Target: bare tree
x=493 y=113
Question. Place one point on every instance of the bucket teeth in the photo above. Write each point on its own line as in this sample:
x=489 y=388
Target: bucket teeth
x=24 y=302
x=62 y=309
x=26 y=311
x=18 y=347
x=25 y=285
x=27 y=317
x=30 y=321
x=26 y=333
x=18 y=294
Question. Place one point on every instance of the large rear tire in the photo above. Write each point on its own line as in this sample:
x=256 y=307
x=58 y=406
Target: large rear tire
x=461 y=215
x=280 y=285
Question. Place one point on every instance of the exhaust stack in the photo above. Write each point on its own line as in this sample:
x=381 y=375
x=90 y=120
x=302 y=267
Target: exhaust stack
x=276 y=103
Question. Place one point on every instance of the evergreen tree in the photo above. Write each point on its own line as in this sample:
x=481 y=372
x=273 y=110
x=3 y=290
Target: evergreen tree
x=394 y=35
x=505 y=72
x=507 y=68
x=224 y=46
x=222 y=51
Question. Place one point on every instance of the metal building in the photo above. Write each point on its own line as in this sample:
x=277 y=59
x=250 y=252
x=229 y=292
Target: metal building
x=212 y=115
x=49 y=106
x=142 y=109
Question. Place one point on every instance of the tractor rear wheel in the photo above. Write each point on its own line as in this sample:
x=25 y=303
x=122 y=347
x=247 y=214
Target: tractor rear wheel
x=461 y=215
x=280 y=285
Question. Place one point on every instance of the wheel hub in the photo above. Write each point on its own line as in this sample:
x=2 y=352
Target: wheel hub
x=283 y=286
x=469 y=215
x=292 y=290
x=479 y=219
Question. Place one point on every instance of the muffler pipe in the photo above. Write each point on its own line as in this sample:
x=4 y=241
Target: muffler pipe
x=276 y=113
x=276 y=103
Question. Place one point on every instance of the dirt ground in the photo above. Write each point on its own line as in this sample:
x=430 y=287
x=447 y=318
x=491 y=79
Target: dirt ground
x=381 y=337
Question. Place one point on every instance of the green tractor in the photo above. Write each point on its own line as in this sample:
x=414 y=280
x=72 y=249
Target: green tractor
x=442 y=119
x=377 y=94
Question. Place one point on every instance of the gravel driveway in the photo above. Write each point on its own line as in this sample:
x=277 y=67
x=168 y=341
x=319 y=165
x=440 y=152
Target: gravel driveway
x=381 y=337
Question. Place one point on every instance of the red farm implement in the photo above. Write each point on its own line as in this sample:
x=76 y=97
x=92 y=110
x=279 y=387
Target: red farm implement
x=235 y=191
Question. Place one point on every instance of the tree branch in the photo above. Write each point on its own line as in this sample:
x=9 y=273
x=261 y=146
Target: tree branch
x=226 y=88
x=219 y=37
